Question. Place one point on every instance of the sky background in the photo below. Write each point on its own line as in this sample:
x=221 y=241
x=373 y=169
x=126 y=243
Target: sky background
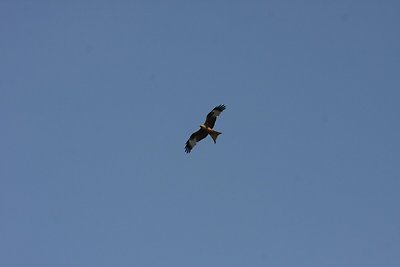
x=97 y=99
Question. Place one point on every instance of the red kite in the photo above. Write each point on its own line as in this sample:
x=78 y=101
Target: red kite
x=205 y=129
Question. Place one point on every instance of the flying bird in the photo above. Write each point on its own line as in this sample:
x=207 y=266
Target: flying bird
x=205 y=129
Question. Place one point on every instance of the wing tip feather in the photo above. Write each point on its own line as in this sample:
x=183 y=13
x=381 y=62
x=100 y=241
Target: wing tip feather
x=220 y=107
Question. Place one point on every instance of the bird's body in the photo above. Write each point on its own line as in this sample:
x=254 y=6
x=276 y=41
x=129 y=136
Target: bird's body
x=205 y=129
x=211 y=132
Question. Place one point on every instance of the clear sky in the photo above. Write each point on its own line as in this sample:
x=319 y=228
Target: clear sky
x=97 y=99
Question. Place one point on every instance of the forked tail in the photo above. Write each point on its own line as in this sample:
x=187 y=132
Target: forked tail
x=214 y=135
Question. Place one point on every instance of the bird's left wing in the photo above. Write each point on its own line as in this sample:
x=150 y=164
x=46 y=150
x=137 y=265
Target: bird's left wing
x=212 y=116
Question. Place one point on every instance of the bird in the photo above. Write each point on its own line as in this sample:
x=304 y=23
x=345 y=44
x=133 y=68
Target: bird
x=205 y=129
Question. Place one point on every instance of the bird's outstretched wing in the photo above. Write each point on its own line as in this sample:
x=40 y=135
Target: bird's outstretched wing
x=212 y=116
x=194 y=138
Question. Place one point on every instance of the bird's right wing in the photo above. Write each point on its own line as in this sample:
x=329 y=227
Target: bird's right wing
x=194 y=138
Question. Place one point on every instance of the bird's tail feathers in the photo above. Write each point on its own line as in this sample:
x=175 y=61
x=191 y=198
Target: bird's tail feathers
x=214 y=135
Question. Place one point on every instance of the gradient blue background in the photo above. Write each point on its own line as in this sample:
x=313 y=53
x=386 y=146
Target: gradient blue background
x=97 y=99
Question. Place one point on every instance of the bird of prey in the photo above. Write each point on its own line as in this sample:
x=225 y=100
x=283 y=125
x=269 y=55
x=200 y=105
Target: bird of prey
x=205 y=129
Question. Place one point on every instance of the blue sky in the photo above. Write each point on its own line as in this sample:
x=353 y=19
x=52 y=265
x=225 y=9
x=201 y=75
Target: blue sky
x=97 y=99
